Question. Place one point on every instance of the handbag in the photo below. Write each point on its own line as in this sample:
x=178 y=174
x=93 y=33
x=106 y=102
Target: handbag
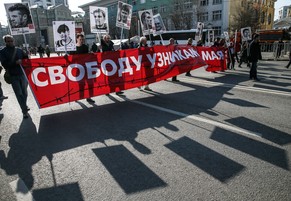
x=7 y=77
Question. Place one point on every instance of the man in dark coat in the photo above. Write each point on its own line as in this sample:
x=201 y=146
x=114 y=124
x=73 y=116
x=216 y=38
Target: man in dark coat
x=11 y=58
x=254 y=56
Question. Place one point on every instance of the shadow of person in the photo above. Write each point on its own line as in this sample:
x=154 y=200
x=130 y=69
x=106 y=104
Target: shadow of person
x=25 y=151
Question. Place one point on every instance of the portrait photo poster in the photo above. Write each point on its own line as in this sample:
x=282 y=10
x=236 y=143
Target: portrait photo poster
x=19 y=18
x=159 y=26
x=99 y=19
x=64 y=35
x=246 y=33
x=124 y=12
x=146 y=21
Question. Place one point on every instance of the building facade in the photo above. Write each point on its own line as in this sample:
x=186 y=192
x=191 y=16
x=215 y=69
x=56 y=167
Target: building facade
x=47 y=3
x=184 y=14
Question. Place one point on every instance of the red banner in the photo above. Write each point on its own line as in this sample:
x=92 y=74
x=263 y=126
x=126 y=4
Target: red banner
x=215 y=57
x=59 y=80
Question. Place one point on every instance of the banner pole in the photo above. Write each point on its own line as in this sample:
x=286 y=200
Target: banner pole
x=162 y=39
x=121 y=37
x=25 y=42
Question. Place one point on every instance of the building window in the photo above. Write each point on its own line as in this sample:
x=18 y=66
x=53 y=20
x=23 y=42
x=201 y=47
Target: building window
x=204 y=2
x=216 y=15
x=163 y=9
x=202 y=17
x=215 y=2
x=155 y=10
x=187 y=4
x=177 y=6
x=217 y=31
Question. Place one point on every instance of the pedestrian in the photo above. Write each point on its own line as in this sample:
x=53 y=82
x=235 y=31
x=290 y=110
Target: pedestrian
x=289 y=63
x=189 y=43
x=11 y=57
x=81 y=48
x=40 y=51
x=2 y=97
x=47 y=51
x=244 y=54
x=172 y=42
x=230 y=57
x=107 y=45
x=143 y=43
x=280 y=46
x=254 y=56
x=94 y=47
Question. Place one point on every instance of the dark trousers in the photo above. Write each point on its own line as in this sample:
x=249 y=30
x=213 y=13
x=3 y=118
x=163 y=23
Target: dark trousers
x=19 y=85
x=253 y=71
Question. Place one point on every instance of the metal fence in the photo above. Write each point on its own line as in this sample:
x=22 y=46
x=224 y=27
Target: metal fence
x=276 y=50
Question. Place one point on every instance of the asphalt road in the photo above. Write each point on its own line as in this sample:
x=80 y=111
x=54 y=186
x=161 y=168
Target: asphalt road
x=213 y=136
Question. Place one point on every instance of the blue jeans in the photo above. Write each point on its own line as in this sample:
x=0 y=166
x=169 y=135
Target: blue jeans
x=19 y=85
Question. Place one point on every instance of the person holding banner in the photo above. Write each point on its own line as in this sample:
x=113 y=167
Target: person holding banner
x=189 y=43
x=81 y=48
x=107 y=46
x=143 y=43
x=11 y=59
x=172 y=42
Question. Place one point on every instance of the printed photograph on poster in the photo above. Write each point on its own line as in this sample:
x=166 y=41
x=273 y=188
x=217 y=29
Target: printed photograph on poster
x=159 y=26
x=124 y=12
x=146 y=19
x=99 y=19
x=64 y=35
x=19 y=18
x=246 y=33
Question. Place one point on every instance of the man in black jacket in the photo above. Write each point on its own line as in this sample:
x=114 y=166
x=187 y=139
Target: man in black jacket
x=254 y=56
x=11 y=58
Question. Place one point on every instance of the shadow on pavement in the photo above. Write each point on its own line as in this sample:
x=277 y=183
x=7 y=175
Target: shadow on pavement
x=130 y=173
x=211 y=162
x=122 y=121
x=260 y=150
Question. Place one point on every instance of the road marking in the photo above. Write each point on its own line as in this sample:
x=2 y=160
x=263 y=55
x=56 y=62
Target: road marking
x=241 y=87
x=21 y=191
x=194 y=117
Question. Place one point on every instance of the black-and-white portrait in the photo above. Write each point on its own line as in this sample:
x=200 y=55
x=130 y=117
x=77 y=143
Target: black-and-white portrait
x=146 y=18
x=124 y=13
x=99 y=19
x=19 y=17
x=64 y=35
x=159 y=26
x=246 y=33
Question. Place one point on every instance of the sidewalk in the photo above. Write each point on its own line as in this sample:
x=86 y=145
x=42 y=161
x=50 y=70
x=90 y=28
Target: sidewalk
x=270 y=56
